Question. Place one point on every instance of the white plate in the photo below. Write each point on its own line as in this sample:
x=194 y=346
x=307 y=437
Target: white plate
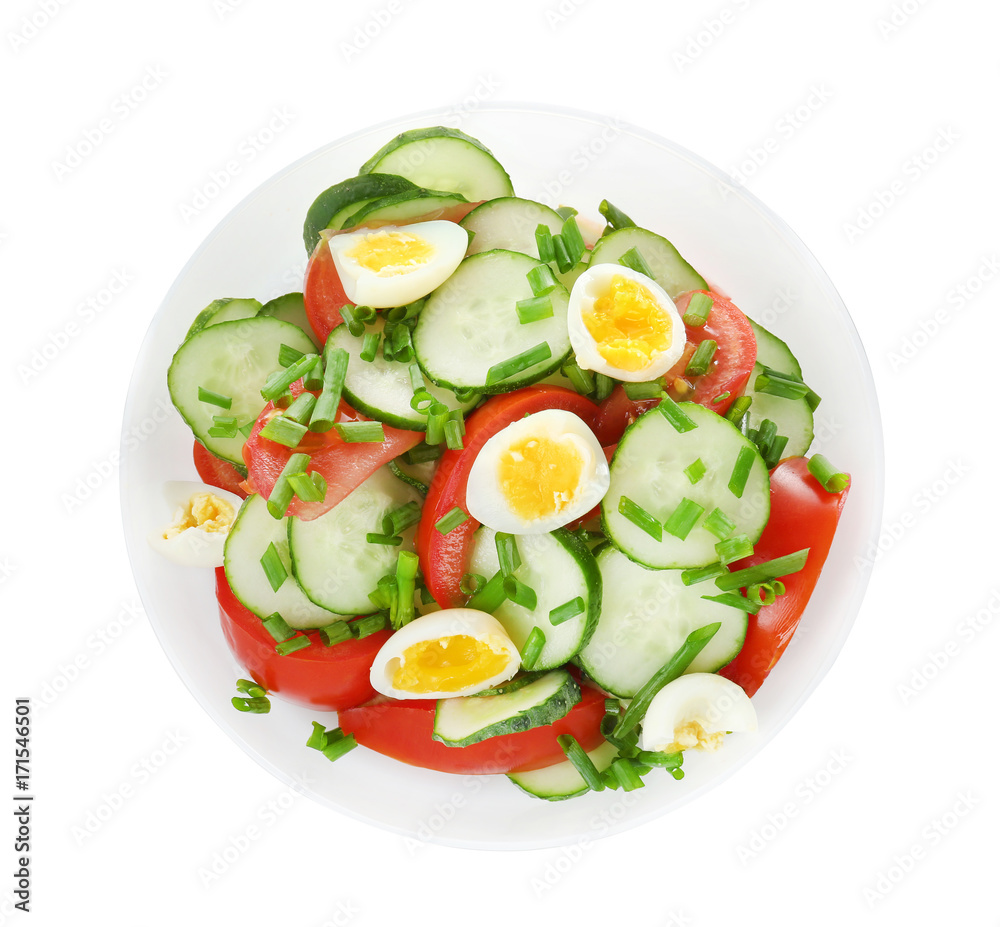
x=555 y=156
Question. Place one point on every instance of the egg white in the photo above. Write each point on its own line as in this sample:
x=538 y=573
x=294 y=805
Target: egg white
x=193 y=546
x=383 y=289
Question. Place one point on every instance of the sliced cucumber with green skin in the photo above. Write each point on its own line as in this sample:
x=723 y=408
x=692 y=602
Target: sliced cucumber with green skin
x=289 y=308
x=511 y=685
x=561 y=780
x=670 y=270
x=645 y=617
x=470 y=323
x=382 y=389
x=336 y=203
x=403 y=207
x=443 y=159
x=648 y=468
x=330 y=556
x=466 y=720
x=232 y=359
x=509 y=223
x=249 y=538
x=223 y=310
x=793 y=417
x=559 y=568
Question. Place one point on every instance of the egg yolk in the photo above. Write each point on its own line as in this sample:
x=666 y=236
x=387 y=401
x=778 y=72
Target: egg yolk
x=539 y=476
x=447 y=664
x=390 y=254
x=203 y=510
x=627 y=324
x=692 y=734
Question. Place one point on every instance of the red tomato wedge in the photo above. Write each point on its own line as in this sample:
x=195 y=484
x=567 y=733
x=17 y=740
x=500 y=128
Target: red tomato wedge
x=332 y=678
x=343 y=465
x=443 y=557
x=803 y=514
x=402 y=729
x=217 y=472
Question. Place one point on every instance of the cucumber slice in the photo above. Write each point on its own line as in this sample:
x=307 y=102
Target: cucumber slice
x=232 y=359
x=443 y=159
x=223 y=310
x=335 y=203
x=465 y=720
x=669 y=269
x=509 y=223
x=289 y=308
x=331 y=559
x=251 y=534
x=561 y=780
x=470 y=323
x=560 y=568
x=382 y=389
x=648 y=468
x=645 y=617
x=403 y=207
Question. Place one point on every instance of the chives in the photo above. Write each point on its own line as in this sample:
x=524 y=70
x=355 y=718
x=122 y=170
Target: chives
x=417 y=382
x=626 y=774
x=471 y=583
x=249 y=687
x=564 y=261
x=683 y=518
x=639 y=517
x=317 y=739
x=281 y=494
x=301 y=408
x=764 y=572
x=741 y=471
x=402 y=346
x=422 y=401
x=518 y=363
x=700 y=574
x=532 y=648
x=465 y=395
x=364 y=314
x=567 y=610
x=491 y=596
x=334 y=371
x=354 y=325
x=543 y=241
x=615 y=217
x=646 y=389
x=370 y=624
x=274 y=569
x=285 y=431
x=831 y=479
x=507 y=553
x=735 y=548
x=402 y=313
x=583 y=764
x=292 y=644
x=735 y=600
x=406 y=584
x=309 y=487
x=674 y=414
x=278 y=628
x=565 y=212
x=259 y=705
x=605 y=385
x=453 y=432
x=572 y=241
x=696 y=314
x=450 y=521
x=280 y=380
x=390 y=540
x=780 y=384
x=288 y=356
x=399 y=519
x=765 y=593
x=247 y=429
x=542 y=280
x=738 y=409
x=701 y=360
x=437 y=417
x=335 y=633
x=384 y=592
x=224 y=426
x=719 y=523
x=534 y=309
x=633 y=260
x=720 y=397
x=360 y=432
x=369 y=347
x=336 y=748
x=582 y=380
x=695 y=471
x=521 y=594
x=421 y=453
x=663 y=760
x=215 y=399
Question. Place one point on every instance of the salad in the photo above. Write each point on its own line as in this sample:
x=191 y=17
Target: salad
x=510 y=490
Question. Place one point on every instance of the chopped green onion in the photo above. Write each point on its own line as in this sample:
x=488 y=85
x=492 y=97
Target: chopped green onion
x=335 y=633
x=224 y=426
x=700 y=574
x=626 y=774
x=292 y=644
x=543 y=240
x=384 y=593
x=518 y=363
x=403 y=313
x=507 y=553
x=763 y=593
x=390 y=540
x=633 y=260
x=664 y=760
x=282 y=493
x=567 y=610
x=735 y=600
x=360 y=432
x=701 y=360
x=520 y=594
x=453 y=430
x=401 y=518
x=738 y=410
x=695 y=470
x=421 y=453
x=615 y=217
x=365 y=314
x=605 y=385
x=542 y=280
x=280 y=380
x=259 y=706
x=491 y=596
x=334 y=371
x=720 y=397
x=406 y=576
x=249 y=687
x=741 y=471
x=582 y=380
x=450 y=521
x=369 y=347
x=422 y=401
x=532 y=648
x=564 y=261
x=829 y=477
x=213 y=398
x=370 y=624
x=566 y=211
x=639 y=517
x=337 y=744
x=247 y=429
x=317 y=739
x=285 y=431
x=783 y=385
x=288 y=356
x=719 y=523
x=683 y=518
x=471 y=583
x=309 y=487
x=354 y=325
x=534 y=309
x=674 y=414
x=402 y=345
x=734 y=548
x=417 y=382
x=764 y=572
x=698 y=308
x=572 y=240
x=301 y=408
x=583 y=764
x=646 y=389
x=277 y=627
x=274 y=569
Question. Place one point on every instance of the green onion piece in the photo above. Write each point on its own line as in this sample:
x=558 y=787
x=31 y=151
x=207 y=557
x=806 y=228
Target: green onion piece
x=450 y=521
x=402 y=344
x=282 y=493
x=639 y=517
x=674 y=414
x=679 y=662
x=700 y=574
x=274 y=569
x=566 y=211
x=534 y=309
x=626 y=774
x=532 y=648
x=829 y=477
x=401 y=518
x=741 y=471
x=683 y=518
x=369 y=347
x=543 y=240
x=354 y=325
x=406 y=584
x=542 y=280
x=695 y=470
x=583 y=764
x=764 y=593
x=738 y=410
x=384 y=592
x=213 y=398
x=605 y=385
x=283 y=430
x=471 y=583
x=417 y=382
x=409 y=311
x=564 y=260
x=567 y=610
x=491 y=596
x=335 y=633
x=365 y=314
x=288 y=356
x=572 y=239
x=719 y=523
x=453 y=429
x=421 y=453
x=518 y=363
x=309 y=487
x=422 y=401
x=259 y=706
x=764 y=572
x=249 y=687
x=783 y=385
x=370 y=624
x=521 y=594
x=277 y=627
x=317 y=739
x=664 y=760
x=246 y=429
x=721 y=396
x=224 y=426
x=735 y=548
x=813 y=399
x=774 y=451
x=735 y=600
x=701 y=360
x=582 y=380
x=437 y=418
x=647 y=389
x=390 y=540
x=633 y=260
x=696 y=314
x=280 y=380
x=615 y=217
x=292 y=644
x=300 y=409
x=360 y=432
x=334 y=371
x=507 y=553
x=335 y=749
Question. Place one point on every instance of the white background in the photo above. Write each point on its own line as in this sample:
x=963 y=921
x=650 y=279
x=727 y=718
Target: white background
x=877 y=803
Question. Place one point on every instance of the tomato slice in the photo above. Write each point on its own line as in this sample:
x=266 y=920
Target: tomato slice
x=402 y=729
x=217 y=472
x=803 y=514
x=332 y=678
x=443 y=557
x=343 y=465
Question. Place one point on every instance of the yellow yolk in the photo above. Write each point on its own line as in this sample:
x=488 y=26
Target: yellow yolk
x=692 y=734
x=391 y=253
x=447 y=664
x=539 y=476
x=203 y=510
x=628 y=326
